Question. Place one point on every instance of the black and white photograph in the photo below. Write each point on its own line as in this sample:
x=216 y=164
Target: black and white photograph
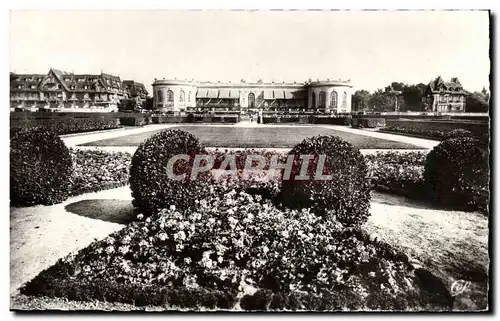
x=250 y=160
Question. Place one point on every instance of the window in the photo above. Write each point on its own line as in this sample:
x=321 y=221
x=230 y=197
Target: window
x=313 y=100
x=333 y=99
x=344 y=100
x=189 y=97
x=170 y=96
x=251 y=100
x=322 y=99
x=181 y=96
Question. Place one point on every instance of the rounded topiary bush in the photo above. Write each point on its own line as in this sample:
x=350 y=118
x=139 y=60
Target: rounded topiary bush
x=190 y=118
x=40 y=168
x=458 y=172
x=152 y=186
x=458 y=133
x=345 y=195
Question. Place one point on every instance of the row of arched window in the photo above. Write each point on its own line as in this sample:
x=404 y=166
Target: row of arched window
x=251 y=98
x=170 y=96
x=334 y=97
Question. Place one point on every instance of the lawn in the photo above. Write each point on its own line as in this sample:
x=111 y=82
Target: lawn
x=259 y=137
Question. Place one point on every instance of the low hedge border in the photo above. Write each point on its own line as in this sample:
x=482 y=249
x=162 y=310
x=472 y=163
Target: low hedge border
x=111 y=291
x=67 y=125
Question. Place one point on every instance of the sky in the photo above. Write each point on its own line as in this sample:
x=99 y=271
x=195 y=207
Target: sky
x=371 y=48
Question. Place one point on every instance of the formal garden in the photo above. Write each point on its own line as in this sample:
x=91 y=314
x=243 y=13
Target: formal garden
x=235 y=242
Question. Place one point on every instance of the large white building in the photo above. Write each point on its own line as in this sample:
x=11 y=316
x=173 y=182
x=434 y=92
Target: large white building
x=329 y=96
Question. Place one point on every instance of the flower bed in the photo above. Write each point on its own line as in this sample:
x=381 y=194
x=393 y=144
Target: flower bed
x=398 y=173
x=238 y=251
x=95 y=170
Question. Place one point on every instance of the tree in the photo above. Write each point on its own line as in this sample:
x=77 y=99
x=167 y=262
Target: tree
x=128 y=105
x=381 y=101
x=148 y=104
x=413 y=95
x=395 y=86
x=360 y=100
x=476 y=102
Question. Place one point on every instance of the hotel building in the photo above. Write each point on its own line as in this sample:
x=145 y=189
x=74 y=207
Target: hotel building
x=64 y=91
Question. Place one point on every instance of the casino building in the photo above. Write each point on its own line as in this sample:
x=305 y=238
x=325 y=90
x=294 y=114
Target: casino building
x=328 y=96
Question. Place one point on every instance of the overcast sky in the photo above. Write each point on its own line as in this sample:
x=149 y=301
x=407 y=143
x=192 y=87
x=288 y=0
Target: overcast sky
x=370 y=48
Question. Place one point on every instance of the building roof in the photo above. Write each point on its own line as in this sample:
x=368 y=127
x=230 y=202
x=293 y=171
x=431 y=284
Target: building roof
x=438 y=85
x=105 y=83
x=135 y=88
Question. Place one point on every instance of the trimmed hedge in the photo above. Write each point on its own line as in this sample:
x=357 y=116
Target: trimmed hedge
x=346 y=196
x=40 y=168
x=151 y=186
x=458 y=171
x=66 y=125
x=306 y=119
x=437 y=129
x=368 y=122
x=136 y=120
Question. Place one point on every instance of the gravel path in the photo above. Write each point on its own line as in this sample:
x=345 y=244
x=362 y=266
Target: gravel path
x=40 y=235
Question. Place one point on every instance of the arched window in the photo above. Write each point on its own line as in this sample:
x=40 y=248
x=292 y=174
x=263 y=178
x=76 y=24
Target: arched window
x=344 y=100
x=181 y=96
x=251 y=100
x=313 y=100
x=160 y=96
x=322 y=99
x=170 y=96
x=333 y=99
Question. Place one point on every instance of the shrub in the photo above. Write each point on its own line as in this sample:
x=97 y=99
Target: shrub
x=458 y=133
x=151 y=186
x=458 y=171
x=190 y=118
x=138 y=120
x=346 y=195
x=40 y=168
